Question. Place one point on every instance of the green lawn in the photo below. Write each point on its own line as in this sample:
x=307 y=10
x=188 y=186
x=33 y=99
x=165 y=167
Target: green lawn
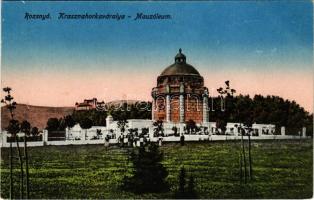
x=282 y=169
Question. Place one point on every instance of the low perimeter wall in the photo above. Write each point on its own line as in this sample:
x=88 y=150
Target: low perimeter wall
x=187 y=138
x=21 y=144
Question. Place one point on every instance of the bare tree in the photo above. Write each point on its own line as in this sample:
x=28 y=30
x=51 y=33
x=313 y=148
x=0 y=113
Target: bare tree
x=13 y=129
x=122 y=125
x=243 y=153
x=158 y=128
x=250 y=158
x=26 y=129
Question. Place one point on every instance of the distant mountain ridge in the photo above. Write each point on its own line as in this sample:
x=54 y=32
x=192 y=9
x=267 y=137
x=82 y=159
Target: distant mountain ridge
x=36 y=115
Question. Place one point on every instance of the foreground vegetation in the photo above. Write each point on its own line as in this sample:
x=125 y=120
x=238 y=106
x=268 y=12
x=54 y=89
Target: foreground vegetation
x=281 y=169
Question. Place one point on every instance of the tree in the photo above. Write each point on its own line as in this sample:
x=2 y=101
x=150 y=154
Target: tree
x=191 y=192
x=99 y=133
x=97 y=116
x=62 y=124
x=180 y=194
x=122 y=125
x=145 y=131
x=69 y=121
x=139 y=110
x=158 y=128
x=260 y=109
x=182 y=140
x=186 y=192
x=175 y=131
x=13 y=129
x=222 y=125
x=250 y=158
x=53 y=124
x=190 y=126
x=130 y=135
x=225 y=93
x=240 y=167
x=243 y=153
x=86 y=123
x=263 y=109
x=26 y=129
x=248 y=124
x=34 y=131
x=148 y=174
x=309 y=125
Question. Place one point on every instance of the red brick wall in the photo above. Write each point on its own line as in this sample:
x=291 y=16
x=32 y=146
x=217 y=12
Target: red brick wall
x=193 y=110
x=175 y=109
x=160 y=109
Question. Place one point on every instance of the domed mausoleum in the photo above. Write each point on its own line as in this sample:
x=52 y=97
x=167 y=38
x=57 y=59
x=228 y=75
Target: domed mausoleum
x=180 y=94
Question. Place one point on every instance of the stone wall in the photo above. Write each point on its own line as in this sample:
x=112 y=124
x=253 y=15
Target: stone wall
x=154 y=139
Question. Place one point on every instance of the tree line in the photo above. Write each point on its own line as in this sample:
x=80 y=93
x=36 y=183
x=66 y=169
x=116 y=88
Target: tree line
x=262 y=110
x=242 y=108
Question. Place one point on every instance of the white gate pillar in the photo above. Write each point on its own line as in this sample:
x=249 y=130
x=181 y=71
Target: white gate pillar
x=45 y=136
x=67 y=133
x=83 y=135
x=283 y=130
x=304 y=131
x=4 y=139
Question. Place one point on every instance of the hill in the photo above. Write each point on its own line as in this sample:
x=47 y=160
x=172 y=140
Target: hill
x=36 y=115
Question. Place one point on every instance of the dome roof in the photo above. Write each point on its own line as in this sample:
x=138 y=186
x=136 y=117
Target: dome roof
x=180 y=67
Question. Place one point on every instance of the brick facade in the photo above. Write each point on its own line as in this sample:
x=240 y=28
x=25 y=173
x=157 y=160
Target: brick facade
x=194 y=110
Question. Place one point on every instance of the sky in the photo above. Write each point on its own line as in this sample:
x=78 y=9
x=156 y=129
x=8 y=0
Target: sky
x=261 y=47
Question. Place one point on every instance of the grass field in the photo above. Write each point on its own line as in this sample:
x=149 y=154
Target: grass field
x=282 y=169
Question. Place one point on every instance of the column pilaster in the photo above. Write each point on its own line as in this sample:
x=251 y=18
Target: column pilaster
x=181 y=103
x=205 y=108
x=153 y=108
x=181 y=107
x=168 y=108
